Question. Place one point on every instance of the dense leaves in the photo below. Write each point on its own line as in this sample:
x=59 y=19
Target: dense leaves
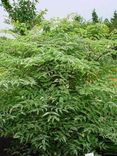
x=58 y=89
x=23 y=14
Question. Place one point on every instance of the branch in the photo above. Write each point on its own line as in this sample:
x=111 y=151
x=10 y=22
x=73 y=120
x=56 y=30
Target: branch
x=6 y=4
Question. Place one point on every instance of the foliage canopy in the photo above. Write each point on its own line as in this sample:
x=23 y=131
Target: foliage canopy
x=57 y=91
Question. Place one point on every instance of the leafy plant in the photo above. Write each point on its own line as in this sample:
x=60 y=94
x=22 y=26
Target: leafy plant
x=23 y=15
x=97 y=31
x=56 y=90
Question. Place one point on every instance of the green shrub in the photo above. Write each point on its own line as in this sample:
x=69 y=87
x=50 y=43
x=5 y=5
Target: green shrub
x=56 y=93
x=113 y=35
x=97 y=31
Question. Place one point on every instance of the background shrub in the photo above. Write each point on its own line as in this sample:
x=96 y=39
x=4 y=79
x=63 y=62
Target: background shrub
x=97 y=31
